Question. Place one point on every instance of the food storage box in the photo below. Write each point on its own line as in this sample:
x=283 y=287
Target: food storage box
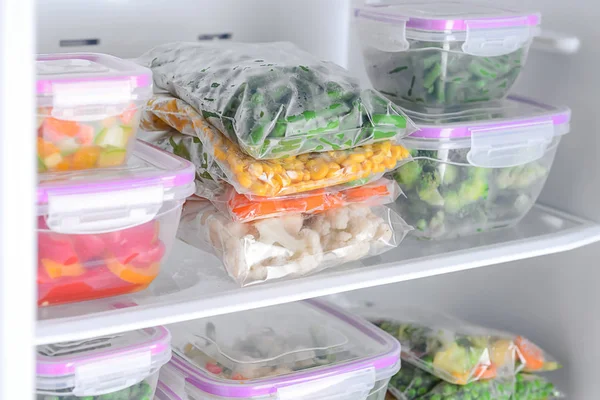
x=444 y=53
x=122 y=366
x=88 y=110
x=303 y=351
x=105 y=232
x=478 y=169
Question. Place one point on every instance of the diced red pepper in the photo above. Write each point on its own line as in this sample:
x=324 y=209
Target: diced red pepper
x=89 y=247
x=213 y=368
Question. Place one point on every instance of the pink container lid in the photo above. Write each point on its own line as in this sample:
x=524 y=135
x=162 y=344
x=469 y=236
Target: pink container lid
x=76 y=68
x=448 y=15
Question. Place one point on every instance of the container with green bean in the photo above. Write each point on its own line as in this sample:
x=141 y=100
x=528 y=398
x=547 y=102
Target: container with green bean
x=117 y=367
x=444 y=54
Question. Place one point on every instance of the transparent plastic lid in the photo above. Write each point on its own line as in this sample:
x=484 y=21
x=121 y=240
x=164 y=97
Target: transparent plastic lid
x=304 y=350
x=511 y=132
x=76 y=79
x=485 y=29
x=101 y=365
x=100 y=200
x=449 y=15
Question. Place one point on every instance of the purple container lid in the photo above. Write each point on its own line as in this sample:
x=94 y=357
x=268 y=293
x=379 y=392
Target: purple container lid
x=512 y=112
x=148 y=167
x=448 y=15
x=385 y=359
x=87 y=67
x=62 y=359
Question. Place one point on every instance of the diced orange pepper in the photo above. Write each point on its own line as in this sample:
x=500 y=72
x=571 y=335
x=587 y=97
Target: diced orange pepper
x=131 y=274
x=46 y=149
x=86 y=157
x=57 y=270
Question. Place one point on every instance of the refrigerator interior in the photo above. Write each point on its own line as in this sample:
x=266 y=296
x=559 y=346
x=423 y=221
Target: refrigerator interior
x=550 y=299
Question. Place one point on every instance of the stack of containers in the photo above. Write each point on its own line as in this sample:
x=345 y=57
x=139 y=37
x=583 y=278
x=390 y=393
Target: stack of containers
x=108 y=206
x=480 y=160
x=298 y=351
x=445 y=358
x=118 y=367
x=289 y=150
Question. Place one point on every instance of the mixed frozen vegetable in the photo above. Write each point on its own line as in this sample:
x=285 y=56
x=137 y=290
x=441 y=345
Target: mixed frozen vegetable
x=65 y=145
x=440 y=74
x=273 y=99
x=411 y=383
x=271 y=178
x=291 y=245
x=140 y=391
x=461 y=358
x=446 y=197
x=77 y=267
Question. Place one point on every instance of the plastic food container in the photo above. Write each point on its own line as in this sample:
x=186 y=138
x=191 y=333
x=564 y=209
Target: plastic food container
x=268 y=178
x=291 y=245
x=88 y=110
x=302 y=351
x=445 y=53
x=273 y=99
x=123 y=366
x=478 y=169
x=105 y=232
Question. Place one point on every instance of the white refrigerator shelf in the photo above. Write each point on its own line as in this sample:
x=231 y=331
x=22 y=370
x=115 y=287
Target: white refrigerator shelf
x=193 y=284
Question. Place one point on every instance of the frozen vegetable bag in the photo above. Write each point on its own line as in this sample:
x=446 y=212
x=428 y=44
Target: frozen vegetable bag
x=217 y=157
x=479 y=169
x=88 y=110
x=291 y=245
x=438 y=53
x=306 y=350
x=121 y=367
x=105 y=232
x=456 y=351
x=274 y=99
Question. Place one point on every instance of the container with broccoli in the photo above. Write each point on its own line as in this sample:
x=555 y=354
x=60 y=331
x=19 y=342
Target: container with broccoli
x=441 y=54
x=117 y=367
x=275 y=100
x=472 y=173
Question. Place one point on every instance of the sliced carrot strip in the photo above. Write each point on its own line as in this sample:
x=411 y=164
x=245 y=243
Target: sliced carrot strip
x=533 y=356
x=128 y=273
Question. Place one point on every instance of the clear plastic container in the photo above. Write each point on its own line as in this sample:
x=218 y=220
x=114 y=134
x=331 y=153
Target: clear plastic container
x=88 y=110
x=302 y=351
x=443 y=54
x=122 y=366
x=478 y=169
x=105 y=232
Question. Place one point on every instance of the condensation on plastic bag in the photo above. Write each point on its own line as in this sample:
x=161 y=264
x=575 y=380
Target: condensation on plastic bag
x=244 y=208
x=293 y=245
x=272 y=178
x=274 y=99
x=456 y=351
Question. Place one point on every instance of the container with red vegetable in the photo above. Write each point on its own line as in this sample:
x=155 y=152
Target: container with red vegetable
x=105 y=232
x=88 y=110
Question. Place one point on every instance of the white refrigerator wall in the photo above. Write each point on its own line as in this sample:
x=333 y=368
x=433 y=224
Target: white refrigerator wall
x=551 y=299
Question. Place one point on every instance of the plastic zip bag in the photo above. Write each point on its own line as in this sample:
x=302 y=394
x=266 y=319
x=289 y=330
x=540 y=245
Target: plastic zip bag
x=292 y=245
x=273 y=178
x=274 y=99
x=244 y=208
x=459 y=352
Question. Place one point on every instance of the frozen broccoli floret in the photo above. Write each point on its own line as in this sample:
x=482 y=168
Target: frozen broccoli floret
x=529 y=174
x=479 y=173
x=421 y=224
x=473 y=189
x=427 y=159
x=506 y=177
x=450 y=173
x=427 y=189
x=452 y=203
x=408 y=174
